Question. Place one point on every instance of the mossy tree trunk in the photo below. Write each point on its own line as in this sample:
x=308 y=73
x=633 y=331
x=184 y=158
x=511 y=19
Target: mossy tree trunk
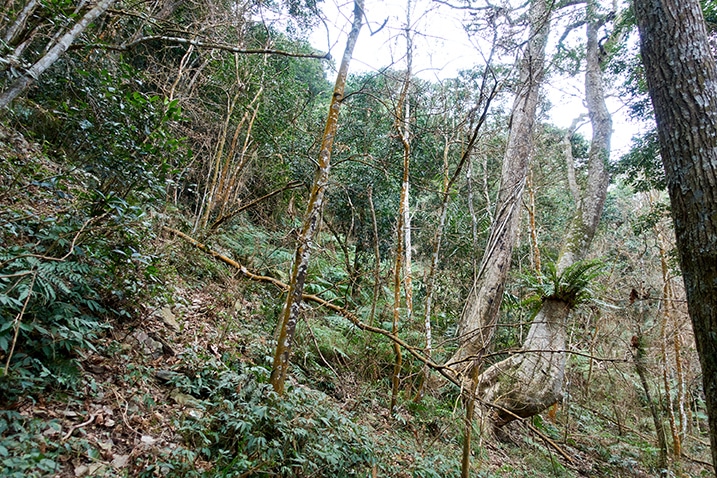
x=477 y=322
x=682 y=79
x=531 y=381
x=290 y=313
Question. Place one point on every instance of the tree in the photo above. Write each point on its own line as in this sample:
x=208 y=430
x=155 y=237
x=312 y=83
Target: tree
x=483 y=304
x=529 y=382
x=290 y=314
x=54 y=52
x=682 y=79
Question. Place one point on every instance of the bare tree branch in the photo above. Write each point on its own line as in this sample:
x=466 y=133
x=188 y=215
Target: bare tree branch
x=205 y=44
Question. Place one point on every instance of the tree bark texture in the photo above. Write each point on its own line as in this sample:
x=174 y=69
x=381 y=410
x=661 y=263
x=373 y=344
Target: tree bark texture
x=403 y=241
x=531 y=381
x=290 y=313
x=682 y=80
x=528 y=382
x=21 y=84
x=638 y=357
x=478 y=319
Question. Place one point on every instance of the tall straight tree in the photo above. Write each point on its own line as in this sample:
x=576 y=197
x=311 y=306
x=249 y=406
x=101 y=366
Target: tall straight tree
x=290 y=314
x=403 y=242
x=682 y=80
x=481 y=311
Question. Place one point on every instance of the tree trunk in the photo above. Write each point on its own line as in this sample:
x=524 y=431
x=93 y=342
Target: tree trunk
x=403 y=240
x=18 y=86
x=531 y=381
x=682 y=80
x=638 y=357
x=290 y=314
x=478 y=319
x=528 y=382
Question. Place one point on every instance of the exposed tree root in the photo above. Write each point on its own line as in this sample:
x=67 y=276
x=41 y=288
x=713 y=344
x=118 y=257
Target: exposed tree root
x=418 y=353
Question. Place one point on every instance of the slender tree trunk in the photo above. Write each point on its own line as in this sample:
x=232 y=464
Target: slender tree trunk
x=682 y=80
x=377 y=259
x=21 y=84
x=666 y=320
x=639 y=359
x=213 y=186
x=680 y=376
x=403 y=240
x=531 y=381
x=405 y=134
x=437 y=239
x=477 y=322
x=396 y=375
x=290 y=314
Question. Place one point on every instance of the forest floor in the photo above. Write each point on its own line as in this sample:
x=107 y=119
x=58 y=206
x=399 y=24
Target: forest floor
x=129 y=419
x=179 y=389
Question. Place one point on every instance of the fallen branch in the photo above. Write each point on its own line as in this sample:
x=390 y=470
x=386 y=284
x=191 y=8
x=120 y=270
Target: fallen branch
x=79 y=425
x=695 y=460
x=446 y=372
x=551 y=442
x=516 y=351
x=226 y=217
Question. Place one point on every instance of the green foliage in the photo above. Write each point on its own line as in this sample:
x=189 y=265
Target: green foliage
x=49 y=306
x=572 y=286
x=104 y=123
x=642 y=165
x=66 y=266
x=245 y=426
x=709 y=10
x=22 y=442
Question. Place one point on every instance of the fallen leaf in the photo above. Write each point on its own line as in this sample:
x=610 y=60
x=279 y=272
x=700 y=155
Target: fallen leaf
x=120 y=461
x=81 y=470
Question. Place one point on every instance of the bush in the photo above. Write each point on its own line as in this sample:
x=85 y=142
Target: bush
x=244 y=426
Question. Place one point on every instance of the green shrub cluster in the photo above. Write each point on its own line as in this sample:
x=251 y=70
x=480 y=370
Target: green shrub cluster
x=242 y=426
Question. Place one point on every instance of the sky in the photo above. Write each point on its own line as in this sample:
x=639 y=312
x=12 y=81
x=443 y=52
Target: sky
x=441 y=49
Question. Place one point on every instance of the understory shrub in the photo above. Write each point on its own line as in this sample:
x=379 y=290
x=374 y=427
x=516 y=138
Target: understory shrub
x=244 y=426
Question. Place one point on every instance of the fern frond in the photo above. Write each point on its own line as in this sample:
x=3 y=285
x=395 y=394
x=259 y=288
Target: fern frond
x=572 y=286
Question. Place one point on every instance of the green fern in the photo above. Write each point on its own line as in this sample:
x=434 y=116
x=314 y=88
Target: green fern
x=572 y=286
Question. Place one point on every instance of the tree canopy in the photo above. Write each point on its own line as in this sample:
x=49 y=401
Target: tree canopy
x=230 y=248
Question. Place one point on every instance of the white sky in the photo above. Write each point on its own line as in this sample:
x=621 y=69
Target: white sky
x=441 y=49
